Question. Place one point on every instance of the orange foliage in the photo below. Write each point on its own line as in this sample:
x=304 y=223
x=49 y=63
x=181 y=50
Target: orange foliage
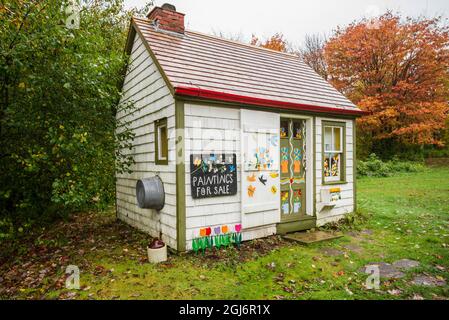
x=396 y=69
x=275 y=42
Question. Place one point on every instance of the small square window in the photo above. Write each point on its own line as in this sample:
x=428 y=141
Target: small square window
x=298 y=130
x=161 y=141
x=284 y=129
x=333 y=155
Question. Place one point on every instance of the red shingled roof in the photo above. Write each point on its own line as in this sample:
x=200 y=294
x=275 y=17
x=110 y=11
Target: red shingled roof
x=208 y=67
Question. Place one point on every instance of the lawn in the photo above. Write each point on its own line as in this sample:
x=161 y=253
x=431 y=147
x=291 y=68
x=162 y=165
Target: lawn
x=408 y=218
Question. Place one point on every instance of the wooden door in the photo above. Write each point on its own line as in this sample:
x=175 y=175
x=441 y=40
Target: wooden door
x=293 y=169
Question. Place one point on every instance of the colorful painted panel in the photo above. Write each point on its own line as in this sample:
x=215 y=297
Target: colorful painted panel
x=335 y=194
x=261 y=151
x=293 y=169
x=297 y=201
x=284 y=160
x=217 y=237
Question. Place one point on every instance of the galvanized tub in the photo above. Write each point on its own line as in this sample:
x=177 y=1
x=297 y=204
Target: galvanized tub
x=150 y=193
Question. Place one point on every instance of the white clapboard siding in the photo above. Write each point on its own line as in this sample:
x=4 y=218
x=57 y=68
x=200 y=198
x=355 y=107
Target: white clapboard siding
x=346 y=204
x=211 y=129
x=145 y=87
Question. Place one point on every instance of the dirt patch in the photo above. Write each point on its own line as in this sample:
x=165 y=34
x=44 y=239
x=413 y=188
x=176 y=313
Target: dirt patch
x=436 y=162
x=354 y=248
x=331 y=252
x=248 y=250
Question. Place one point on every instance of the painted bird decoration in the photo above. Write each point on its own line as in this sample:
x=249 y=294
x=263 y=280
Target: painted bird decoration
x=262 y=179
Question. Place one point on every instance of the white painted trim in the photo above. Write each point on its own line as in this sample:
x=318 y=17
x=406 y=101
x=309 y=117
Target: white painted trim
x=310 y=166
x=295 y=116
x=259 y=207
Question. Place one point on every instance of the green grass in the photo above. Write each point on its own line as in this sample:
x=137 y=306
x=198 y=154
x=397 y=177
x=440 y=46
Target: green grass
x=408 y=218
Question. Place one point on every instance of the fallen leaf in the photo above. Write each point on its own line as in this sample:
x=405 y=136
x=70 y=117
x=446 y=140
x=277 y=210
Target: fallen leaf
x=348 y=291
x=417 y=297
x=394 y=292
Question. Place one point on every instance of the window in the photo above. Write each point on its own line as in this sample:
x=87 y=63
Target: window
x=161 y=139
x=333 y=151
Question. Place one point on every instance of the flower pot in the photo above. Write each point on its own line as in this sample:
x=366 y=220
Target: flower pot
x=157 y=255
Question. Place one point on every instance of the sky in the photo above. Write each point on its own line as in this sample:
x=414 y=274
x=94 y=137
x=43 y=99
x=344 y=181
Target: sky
x=292 y=18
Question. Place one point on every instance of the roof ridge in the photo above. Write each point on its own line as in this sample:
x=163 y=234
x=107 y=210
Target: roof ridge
x=245 y=44
x=233 y=41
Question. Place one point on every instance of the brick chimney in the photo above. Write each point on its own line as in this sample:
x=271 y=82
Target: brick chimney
x=167 y=18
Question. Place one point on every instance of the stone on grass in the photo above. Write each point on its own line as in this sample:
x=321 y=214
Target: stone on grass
x=424 y=280
x=331 y=252
x=352 y=233
x=405 y=264
x=386 y=270
x=354 y=248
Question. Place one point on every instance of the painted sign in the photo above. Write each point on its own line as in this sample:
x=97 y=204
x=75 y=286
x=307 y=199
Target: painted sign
x=213 y=175
x=260 y=186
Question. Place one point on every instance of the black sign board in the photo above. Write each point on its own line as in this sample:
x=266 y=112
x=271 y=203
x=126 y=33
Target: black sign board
x=213 y=175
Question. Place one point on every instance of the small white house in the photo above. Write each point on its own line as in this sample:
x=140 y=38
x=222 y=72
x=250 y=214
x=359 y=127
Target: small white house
x=246 y=141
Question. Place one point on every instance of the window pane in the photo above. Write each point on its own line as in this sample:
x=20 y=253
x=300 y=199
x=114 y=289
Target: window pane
x=337 y=139
x=335 y=165
x=327 y=163
x=163 y=148
x=327 y=138
x=297 y=130
x=284 y=128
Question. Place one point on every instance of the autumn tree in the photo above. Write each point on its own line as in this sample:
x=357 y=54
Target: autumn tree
x=238 y=37
x=396 y=69
x=275 y=42
x=312 y=53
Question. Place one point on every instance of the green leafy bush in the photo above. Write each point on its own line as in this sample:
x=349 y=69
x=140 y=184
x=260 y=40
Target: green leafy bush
x=375 y=167
x=351 y=221
x=59 y=97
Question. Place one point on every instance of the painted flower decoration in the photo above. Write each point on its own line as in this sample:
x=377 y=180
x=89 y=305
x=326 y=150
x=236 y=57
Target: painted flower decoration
x=251 y=190
x=197 y=162
x=284 y=196
x=274 y=175
x=251 y=178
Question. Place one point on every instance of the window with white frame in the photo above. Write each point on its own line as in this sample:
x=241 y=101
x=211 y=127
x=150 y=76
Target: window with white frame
x=333 y=160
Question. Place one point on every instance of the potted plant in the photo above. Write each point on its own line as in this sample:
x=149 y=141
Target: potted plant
x=157 y=251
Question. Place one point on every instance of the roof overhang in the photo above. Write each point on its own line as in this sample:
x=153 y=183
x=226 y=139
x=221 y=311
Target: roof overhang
x=210 y=95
